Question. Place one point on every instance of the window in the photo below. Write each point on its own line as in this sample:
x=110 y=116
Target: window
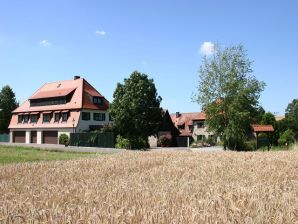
x=99 y=116
x=57 y=117
x=20 y=118
x=181 y=127
x=64 y=116
x=98 y=100
x=26 y=118
x=200 y=124
x=200 y=137
x=110 y=117
x=85 y=116
x=33 y=118
x=48 y=101
x=46 y=118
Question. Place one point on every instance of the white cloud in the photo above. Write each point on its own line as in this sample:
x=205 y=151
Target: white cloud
x=207 y=48
x=100 y=32
x=45 y=43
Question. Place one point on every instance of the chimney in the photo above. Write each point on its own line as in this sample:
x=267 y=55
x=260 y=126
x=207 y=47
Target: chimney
x=177 y=114
x=76 y=77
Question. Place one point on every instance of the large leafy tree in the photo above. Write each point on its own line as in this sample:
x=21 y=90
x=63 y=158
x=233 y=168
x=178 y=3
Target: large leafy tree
x=269 y=118
x=8 y=103
x=229 y=94
x=136 y=108
x=292 y=116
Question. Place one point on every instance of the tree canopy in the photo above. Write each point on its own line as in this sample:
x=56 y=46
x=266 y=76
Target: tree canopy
x=292 y=116
x=8 y=103
x=229 y=94
x=136 y=108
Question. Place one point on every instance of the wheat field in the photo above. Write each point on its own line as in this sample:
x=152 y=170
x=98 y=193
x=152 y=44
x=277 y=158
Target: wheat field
x=154 y=187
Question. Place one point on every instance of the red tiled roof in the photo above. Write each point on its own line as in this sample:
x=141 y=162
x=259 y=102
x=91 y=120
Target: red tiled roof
x=82 y=98
x=52 y=93
x=187 y=119
x=262 y=128
x=185 y=133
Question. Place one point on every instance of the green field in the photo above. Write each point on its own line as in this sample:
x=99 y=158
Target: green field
x=13 y=154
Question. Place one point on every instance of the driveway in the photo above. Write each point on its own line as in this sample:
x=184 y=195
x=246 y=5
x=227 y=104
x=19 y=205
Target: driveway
x=66 y=149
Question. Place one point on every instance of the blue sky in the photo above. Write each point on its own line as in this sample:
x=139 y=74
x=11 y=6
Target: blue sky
x=105 y=41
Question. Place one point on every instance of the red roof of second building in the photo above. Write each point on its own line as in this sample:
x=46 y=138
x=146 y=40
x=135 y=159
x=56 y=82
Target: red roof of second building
x=187 y=118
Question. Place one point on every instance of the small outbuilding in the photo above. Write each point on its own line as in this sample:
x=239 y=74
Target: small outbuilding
x=257 y=129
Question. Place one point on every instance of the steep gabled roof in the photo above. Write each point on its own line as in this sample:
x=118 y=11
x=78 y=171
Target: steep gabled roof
x=187 y=118
x=82 y=97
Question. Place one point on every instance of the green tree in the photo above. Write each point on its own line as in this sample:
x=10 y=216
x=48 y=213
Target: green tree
x=269 y=119
x=136 y=109
x=292 y=116
x=287 y=138
x=229 y=94
x=8 y=103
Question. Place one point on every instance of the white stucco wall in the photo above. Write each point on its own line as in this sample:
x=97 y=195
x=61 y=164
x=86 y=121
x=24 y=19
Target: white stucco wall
x=200 y=131
x=84 y=125
x=39 y=136
x=28 y=136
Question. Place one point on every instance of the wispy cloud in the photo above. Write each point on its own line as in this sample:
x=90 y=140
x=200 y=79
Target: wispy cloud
x=45 y=43
x=207 y=48
x=100 y=32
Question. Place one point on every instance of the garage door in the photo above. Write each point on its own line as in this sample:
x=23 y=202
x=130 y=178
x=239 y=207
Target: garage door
x=19 y=136
x=33 y=136
x=50 y=137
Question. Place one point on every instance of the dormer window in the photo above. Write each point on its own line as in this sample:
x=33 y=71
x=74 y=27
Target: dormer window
x=20 y=118
x=26 y=118
x=98 y=100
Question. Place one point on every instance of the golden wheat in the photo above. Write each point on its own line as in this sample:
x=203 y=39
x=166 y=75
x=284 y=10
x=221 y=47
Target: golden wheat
x=154 y=187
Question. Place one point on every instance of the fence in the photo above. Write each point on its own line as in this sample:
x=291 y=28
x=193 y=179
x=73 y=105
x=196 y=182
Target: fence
x=103 y=140
x=4 y=137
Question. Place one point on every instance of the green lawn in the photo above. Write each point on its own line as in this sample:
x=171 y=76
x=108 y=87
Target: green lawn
x=12 y=154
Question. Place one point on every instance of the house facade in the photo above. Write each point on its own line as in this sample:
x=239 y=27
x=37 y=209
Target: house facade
x=56 y=108
x=192 y=126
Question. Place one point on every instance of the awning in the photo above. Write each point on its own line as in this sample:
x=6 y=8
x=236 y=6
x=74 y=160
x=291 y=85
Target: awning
x=47 y=112
x=34 y=113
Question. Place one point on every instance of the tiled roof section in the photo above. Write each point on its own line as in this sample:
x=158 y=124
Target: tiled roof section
x=54 y=88
x=185 y=133
x=52 y=93
x=187 y=118
x=88 y=93
x=262 y=128
x=81 y=98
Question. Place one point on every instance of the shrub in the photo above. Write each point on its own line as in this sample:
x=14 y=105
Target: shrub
x=250 y=145
x=287 y=138
x=122 y=143
x=211 y=140
x=164 y=141
x=63 y=139
x=133 y=143
x=139 y=143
